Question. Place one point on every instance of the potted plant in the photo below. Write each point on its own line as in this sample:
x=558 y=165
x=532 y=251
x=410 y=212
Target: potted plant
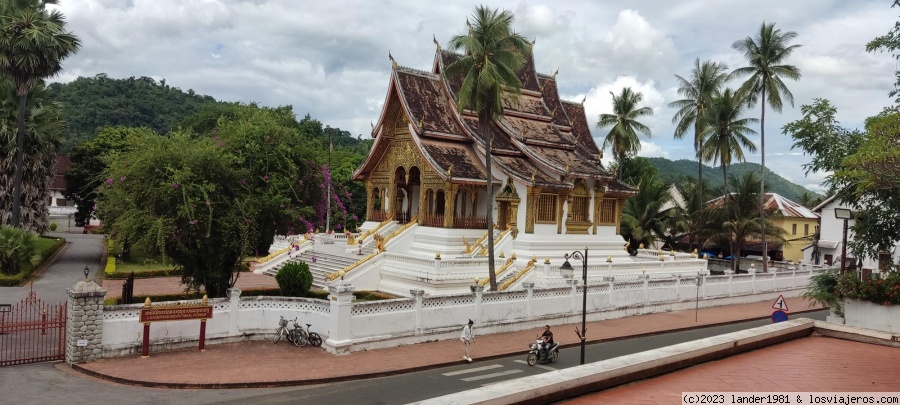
x=823 y=289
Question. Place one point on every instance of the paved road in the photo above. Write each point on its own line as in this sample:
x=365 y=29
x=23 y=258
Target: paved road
x=68 y=269
x=46 y=383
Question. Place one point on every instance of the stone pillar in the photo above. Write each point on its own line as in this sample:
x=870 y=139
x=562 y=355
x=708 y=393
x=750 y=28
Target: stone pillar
x=341 y=298
x=84 y=323
x=418 y=295
x=234 y=300
x=479 y=293
x=529 y=297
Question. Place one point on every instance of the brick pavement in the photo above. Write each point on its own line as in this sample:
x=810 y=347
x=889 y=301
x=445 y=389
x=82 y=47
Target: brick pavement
x=260 y=363
x=812 y=364
x=172 y=285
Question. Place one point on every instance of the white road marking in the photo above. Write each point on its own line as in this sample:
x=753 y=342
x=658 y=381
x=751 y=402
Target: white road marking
x=492 y=375
x=472 y=370
x=548 y=368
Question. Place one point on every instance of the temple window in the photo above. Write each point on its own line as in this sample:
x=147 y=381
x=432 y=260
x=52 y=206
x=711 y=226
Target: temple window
x=546 y=210
x=607 y=212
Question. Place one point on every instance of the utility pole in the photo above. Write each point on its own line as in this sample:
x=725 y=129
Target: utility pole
x=328 y=185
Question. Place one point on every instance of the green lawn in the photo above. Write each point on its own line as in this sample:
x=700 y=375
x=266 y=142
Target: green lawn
x=140 y=260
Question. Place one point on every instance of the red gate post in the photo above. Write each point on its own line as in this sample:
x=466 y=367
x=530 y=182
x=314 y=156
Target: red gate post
x=203 y=326
x=145 y=347
x=44 y=321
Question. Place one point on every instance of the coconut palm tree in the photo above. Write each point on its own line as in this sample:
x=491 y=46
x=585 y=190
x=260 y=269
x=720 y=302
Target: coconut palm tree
x=44 y=133
x=622 y=137
x=643 y=220
x=691 y=218
x=725 y=136
x=705 y=80
x=766 y=55
x=33 y=44
x=492 y=56
x=734 y=221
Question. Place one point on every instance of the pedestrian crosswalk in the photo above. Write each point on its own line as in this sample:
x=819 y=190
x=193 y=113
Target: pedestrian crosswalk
x=490 y=372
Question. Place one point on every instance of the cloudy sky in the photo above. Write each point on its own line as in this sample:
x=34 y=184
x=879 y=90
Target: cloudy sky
x=329 y=58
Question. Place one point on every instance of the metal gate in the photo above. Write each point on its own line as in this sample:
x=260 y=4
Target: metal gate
x=32 y=331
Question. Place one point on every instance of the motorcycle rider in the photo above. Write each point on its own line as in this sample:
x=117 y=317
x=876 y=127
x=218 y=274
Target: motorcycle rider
x=547 y=341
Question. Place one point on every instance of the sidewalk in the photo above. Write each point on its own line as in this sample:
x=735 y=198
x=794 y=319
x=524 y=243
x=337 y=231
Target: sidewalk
x=263 y=364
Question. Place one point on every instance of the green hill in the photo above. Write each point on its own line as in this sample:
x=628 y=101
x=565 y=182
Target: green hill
x=674 y=171
x=91 y=103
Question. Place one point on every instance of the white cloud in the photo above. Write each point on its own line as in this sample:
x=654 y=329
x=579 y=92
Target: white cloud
x=330 y=58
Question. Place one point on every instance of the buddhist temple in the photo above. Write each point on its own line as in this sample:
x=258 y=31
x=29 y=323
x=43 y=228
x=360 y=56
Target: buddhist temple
x=427 y=201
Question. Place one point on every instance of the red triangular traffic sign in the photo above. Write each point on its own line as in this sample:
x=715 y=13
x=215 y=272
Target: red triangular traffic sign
x=780 y=304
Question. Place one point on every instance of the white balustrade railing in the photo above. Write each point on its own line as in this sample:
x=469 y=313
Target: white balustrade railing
x=351 y=326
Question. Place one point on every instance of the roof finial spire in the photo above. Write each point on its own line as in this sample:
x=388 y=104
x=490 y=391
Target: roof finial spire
x=436 y=43
x=393 y=62
x=584 y=99
x=533 y=41
x=373 y=126
x=555 y=73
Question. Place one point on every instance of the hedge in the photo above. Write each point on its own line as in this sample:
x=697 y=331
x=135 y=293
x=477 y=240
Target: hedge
x=110 y=266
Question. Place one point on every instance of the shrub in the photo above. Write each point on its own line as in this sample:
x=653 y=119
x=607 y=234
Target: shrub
x=110 y=266
x=822 y=289
x=53 y=227
x=294 y=279
x=117 y=275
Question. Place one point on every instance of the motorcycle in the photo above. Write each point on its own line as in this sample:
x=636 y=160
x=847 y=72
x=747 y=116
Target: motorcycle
x=536 y=354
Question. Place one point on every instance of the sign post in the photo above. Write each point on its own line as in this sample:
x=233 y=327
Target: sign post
x=781 y=308
x=176 y=312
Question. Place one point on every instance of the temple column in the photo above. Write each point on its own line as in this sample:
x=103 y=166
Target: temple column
x=449 y=205
x=598 y=202
x=530 y=208
x=370 y=198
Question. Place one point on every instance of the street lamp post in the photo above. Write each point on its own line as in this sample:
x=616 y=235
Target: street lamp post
x=845 y=214
x=566 y=271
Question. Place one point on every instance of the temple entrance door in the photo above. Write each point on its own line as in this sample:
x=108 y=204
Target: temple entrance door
x=414 y=189
x=503 y=212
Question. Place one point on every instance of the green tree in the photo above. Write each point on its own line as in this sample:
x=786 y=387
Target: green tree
x=44 y=128
x=705 y=81
x=17 y=246
x=691 y=218
x=889 y=42
x=622 y=137
x=766 y=54
x=643 y=218
x=725 y=136
x=33 y=44
x=206 y=200
x=89 y=161
x=733 y=222
x=492 y=56
x=294 y=279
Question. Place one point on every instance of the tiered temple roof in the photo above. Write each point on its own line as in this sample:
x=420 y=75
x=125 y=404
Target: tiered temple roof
x=540 y=141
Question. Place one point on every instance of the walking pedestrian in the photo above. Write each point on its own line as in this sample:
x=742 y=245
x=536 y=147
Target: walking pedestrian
x=467 y=337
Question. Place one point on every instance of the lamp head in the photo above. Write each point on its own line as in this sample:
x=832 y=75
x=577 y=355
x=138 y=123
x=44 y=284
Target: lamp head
x=86 y=272
x=843 y=213
x=566 y=270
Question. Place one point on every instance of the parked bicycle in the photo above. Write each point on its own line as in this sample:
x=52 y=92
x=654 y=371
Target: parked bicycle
x=312 y=338
x=298 y=335
x=282 y=330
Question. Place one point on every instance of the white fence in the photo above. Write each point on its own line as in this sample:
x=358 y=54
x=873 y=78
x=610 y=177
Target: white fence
x=350 y=326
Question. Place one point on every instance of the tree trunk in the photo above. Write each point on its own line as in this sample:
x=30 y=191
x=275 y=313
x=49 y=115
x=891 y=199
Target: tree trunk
x=762 y=183
x=698 y=144
x=484 y=121
x=20 y=164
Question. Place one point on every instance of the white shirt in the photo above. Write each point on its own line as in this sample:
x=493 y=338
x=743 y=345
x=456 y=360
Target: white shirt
x=467 y=334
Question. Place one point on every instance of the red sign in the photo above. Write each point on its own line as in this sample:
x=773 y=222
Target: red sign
x=175 y=313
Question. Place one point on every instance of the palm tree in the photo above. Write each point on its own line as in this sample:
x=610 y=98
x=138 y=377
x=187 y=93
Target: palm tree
x=706 y=79
x=492 y=55
x=766 y=55
x=33 y=44
x=17 y=246
x=734 y=221
x=643 y=220
x=44 y=132
x=725 y=136
x=691 y=219
x=623 y=135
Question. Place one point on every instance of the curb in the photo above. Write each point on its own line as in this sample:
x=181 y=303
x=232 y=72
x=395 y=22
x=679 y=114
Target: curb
x=354 y=377
x=38 y=272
